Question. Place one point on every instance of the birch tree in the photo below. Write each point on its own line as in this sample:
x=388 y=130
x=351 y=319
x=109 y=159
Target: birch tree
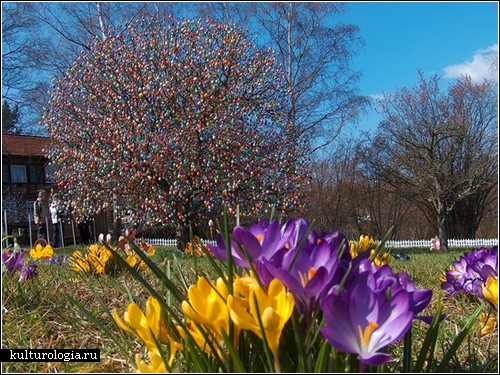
x=316 y=50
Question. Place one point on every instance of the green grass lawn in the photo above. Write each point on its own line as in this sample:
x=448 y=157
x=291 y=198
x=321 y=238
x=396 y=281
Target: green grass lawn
x=424 y=266
x=52 y=310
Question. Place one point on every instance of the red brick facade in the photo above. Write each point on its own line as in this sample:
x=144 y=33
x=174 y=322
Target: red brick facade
x=25 y=171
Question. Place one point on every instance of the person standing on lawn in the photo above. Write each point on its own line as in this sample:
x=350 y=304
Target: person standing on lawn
x=42 y=215
x=56 y=214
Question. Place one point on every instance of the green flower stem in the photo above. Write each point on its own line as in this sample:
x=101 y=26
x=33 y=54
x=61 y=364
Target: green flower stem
x=407 y=352
x=277 y=364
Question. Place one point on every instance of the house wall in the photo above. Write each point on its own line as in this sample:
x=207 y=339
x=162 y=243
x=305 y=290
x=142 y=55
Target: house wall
x=18 y=197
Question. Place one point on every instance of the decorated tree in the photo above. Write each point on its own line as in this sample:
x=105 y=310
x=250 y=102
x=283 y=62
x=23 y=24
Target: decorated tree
x=170 y=125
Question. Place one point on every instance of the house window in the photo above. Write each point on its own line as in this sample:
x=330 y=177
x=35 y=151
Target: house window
x=49 y=174
x=18 y=173
x=5 y=174
x=34 y=173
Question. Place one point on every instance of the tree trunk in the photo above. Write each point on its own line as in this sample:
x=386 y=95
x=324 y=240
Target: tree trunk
x=184 y=234
x=442 y=220
x=117 y=229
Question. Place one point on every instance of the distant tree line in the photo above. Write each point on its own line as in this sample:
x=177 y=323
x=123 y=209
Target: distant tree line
x=433 y=162
x=10 y=118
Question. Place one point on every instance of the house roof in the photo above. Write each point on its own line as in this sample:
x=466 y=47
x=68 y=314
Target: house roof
x=24 y=145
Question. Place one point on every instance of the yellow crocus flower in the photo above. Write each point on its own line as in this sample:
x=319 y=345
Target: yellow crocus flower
x=381 y=259
x=353 y=249
x=150 y=328
x=79 y=263
x=364 y=242
x=273 y=309
x=207 y=305
x=244 y=285
x=490 y=291
x=41 y=251
x=198 y=337
x=132 y=261
x=96 y=260
x=156 y=363
x=98 y=256
x=135 y=262
x=194 y=249
x=487 y=323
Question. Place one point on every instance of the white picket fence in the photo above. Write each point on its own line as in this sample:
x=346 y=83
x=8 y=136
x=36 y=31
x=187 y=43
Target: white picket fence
x=476 y=242
x=169 y=242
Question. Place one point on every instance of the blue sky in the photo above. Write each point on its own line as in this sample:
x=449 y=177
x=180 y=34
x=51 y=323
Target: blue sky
x=446 y=38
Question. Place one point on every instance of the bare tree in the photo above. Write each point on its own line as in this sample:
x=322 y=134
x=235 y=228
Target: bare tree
x=10 y=118
x=15 y=43
x=225 y=12
x=328 y=195
x=438 y=148
x=346 y=197
x=66 y=29
x=17 y=79
x=380 y=208
x=468 y=213
x=316 y=53
x=41 y=40
x=336 y=201
x=469 y=210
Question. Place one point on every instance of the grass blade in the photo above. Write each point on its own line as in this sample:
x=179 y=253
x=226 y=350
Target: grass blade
x=153 y=267
x=458 y=340
x=429 y=341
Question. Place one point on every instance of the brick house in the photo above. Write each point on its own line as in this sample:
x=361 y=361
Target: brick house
x=25 y=171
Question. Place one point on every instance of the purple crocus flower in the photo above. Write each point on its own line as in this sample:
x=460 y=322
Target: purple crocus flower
x=245 y=240
x=385 y=279
x=259 y=244
x=371 y=309
x=13 y=261
x=363 y=321
x=294 y=253
x=58 y=260
x=310 y=269
x=485 y=264
x=470 y=272
x=419 y=298
x=28 y=272
x=456 y=277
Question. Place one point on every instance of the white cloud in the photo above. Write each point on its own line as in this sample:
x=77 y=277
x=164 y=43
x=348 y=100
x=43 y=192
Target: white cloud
x=377 y=97
x=484 y=64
